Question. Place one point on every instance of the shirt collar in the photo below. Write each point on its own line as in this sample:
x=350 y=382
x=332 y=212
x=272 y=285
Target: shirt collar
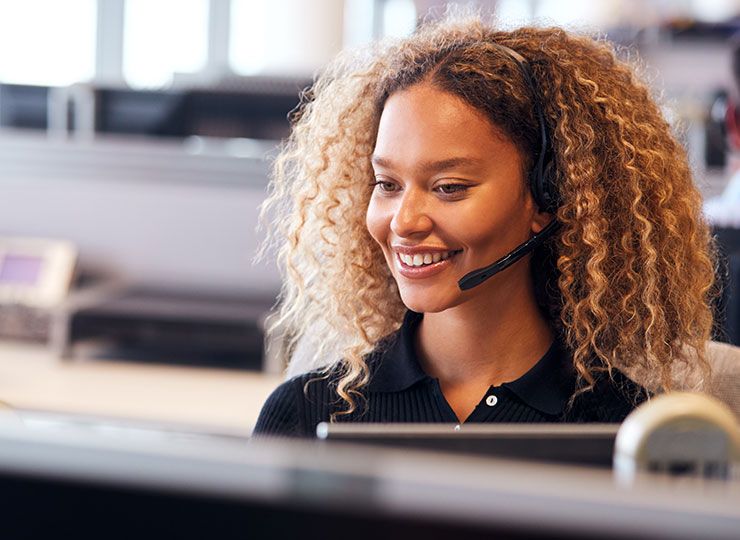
x=547 y=386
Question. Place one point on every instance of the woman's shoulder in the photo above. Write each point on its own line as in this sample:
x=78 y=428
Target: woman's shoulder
x=292 y=408
x=296 y=406
x=611 y=399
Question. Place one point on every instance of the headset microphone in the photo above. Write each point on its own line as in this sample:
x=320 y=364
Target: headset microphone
x=476 y=277
x=542 y=185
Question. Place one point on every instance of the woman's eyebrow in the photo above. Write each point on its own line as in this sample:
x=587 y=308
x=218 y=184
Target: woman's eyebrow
x=431 y=166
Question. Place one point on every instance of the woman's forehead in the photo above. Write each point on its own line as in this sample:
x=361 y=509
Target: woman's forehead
x=424 y=117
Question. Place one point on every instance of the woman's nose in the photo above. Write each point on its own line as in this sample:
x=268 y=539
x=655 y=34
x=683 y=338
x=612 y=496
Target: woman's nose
x=411 y=216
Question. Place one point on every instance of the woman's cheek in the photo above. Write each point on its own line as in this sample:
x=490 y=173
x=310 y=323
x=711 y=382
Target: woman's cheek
x=376 y=223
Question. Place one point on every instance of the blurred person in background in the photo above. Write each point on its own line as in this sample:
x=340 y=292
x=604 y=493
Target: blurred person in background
x=724 y=210
x=414 y=164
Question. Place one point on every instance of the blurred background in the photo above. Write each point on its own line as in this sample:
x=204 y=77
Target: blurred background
x=136 y=139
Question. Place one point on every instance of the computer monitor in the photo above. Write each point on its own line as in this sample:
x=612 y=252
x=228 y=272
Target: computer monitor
x=24 y=106
x=580 y=444
x=254 y=110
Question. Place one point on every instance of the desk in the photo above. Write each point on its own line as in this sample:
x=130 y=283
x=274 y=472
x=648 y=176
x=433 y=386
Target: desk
x=31 y=377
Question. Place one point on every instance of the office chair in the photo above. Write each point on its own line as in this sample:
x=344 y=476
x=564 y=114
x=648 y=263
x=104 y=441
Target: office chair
x=725 y=384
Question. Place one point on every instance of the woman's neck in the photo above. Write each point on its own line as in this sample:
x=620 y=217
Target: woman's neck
x=494 y=338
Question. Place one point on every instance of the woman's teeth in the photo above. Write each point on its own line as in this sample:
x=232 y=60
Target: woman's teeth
x=426 y=258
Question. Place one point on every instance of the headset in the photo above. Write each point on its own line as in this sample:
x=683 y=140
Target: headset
x=541 y=183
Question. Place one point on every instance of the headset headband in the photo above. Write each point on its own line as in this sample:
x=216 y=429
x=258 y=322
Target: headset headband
x=541 y=183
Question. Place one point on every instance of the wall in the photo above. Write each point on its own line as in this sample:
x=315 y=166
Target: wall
x=158 y=213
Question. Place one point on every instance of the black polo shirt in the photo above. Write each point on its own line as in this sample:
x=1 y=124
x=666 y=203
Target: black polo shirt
x=400 y=391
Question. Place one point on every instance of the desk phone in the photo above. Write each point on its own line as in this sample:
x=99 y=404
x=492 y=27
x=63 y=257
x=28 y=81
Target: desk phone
x=35 y=277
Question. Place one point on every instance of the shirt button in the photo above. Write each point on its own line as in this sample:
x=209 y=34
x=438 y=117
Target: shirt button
x=491 y=401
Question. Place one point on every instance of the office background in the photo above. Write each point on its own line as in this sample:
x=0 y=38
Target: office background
x=138 y=144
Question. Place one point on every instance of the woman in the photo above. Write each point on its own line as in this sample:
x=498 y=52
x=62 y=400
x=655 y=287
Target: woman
x=415 y=164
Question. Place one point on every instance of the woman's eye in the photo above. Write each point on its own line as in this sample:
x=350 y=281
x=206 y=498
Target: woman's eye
x=452 y=189
x=384 y=185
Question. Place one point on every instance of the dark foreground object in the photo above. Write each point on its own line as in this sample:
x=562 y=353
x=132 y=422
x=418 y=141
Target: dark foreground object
x=137 y=484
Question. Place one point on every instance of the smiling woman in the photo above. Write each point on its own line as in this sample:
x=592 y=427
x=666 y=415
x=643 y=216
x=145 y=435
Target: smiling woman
x=471 y=207
x=417 y=163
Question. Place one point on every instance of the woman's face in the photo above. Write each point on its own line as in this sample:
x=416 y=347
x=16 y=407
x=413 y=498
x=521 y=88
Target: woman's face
x=450 y=197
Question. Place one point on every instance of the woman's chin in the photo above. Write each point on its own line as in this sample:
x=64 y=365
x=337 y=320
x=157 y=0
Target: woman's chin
x=428 y=302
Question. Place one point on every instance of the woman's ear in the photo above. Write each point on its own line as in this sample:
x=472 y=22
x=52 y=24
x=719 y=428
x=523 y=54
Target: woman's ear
x=540 y=220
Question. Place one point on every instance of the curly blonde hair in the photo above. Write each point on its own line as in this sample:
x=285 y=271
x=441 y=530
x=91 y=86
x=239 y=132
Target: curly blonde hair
x=632 y=271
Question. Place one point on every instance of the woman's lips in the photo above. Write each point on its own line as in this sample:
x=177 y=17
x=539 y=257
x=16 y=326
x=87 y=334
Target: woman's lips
x=425 y=271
